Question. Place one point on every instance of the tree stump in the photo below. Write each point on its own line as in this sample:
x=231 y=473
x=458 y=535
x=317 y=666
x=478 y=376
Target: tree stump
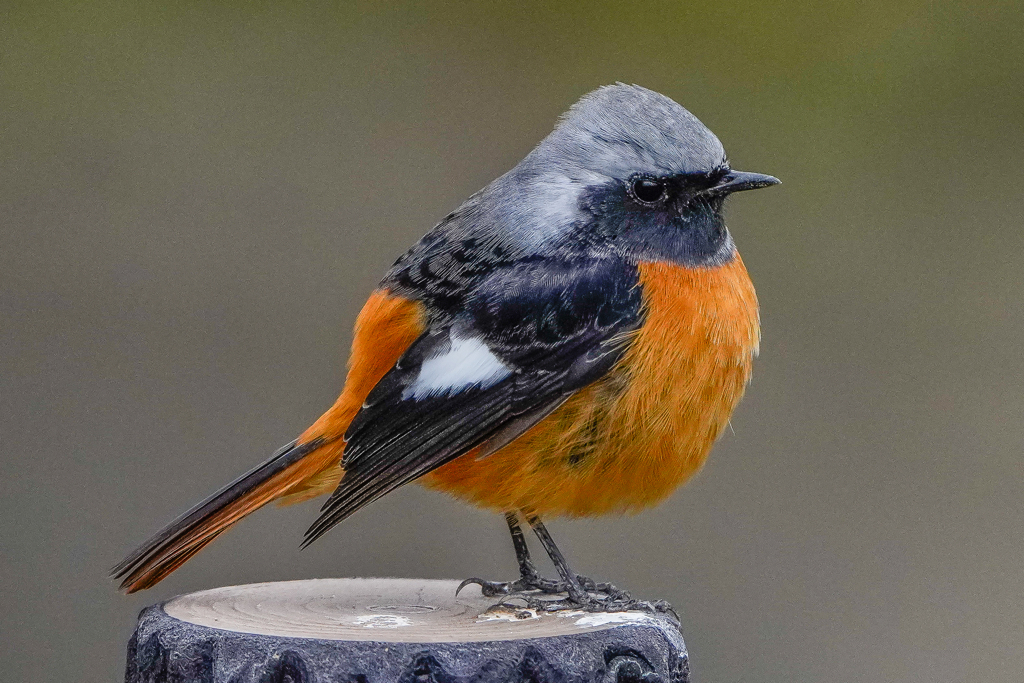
x=391 y=630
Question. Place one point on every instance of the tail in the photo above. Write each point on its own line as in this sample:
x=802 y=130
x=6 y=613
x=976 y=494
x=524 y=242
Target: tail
x=187 y=535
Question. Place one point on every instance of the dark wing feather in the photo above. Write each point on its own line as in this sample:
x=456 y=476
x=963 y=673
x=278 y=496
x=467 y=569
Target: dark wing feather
x=556 y=327
x=393 y=455
x=517 y=426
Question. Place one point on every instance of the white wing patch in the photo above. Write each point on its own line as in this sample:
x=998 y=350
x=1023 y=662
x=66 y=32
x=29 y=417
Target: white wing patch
x=467 y=363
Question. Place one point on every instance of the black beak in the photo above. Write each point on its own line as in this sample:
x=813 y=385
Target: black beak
x=737 y=181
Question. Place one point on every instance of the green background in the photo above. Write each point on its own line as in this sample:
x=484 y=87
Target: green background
x=196 y=198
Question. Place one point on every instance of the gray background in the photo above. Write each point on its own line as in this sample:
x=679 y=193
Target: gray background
x=195 y=200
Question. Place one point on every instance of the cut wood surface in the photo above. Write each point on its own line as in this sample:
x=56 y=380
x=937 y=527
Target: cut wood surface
x=384 y=630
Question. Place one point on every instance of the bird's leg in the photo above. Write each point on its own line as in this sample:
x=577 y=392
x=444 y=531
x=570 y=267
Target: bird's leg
x=583 y=593
x=527 y=571
x=577 y=593
x=585 y=582
x=529 y=577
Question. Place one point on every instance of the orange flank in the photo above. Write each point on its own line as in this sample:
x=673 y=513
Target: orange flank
x=628 y=440
x=386 y=326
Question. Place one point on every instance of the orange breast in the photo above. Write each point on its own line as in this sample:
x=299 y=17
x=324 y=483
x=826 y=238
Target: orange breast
x=628 y=440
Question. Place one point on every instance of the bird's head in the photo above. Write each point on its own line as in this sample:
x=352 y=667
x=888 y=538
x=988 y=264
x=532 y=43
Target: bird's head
x=626 y=171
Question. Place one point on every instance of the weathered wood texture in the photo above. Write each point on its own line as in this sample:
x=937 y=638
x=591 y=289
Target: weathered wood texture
x=391 y=630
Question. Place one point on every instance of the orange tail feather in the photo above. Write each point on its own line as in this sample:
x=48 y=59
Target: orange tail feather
x=304 y=469
x=187 y=535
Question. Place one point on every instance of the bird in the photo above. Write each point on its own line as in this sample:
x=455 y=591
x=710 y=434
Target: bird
x=570 y=341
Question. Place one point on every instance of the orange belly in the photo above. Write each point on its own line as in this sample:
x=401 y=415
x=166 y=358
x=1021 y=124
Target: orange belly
x=627 y=441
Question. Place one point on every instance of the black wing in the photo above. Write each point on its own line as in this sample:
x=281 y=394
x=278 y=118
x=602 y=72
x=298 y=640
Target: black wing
x=529 y=336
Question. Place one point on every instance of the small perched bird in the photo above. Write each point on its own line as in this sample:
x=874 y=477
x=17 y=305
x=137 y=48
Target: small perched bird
x=570 y=341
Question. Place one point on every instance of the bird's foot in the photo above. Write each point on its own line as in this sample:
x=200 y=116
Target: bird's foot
x=524 y=584
x=603 y=588
x=530 y=604
x=534 y=582
x=530 y=595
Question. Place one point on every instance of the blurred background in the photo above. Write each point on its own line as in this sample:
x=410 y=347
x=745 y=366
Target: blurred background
x=196 y=198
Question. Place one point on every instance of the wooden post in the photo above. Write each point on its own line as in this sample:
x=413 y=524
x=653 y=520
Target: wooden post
x=391 y=631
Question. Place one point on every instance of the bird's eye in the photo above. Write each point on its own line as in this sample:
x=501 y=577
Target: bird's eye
x=647 y=190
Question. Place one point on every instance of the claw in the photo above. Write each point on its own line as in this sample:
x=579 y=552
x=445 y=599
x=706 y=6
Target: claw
x=488 y=588
x=533 y=582
x=466 y=583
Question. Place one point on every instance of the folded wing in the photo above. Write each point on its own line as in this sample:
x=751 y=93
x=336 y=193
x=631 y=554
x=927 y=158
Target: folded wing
x=530 y=335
